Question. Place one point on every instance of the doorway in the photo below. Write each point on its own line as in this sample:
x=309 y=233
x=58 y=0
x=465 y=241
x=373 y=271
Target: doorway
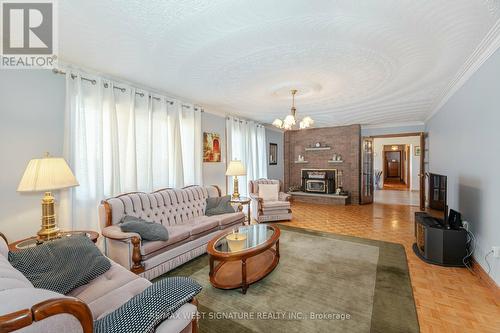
x=396 y=169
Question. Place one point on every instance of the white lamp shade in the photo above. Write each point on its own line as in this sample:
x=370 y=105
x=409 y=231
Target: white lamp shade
x=236 y=168
x=308 y=121
x=289 y=120
x=278 y=123
x=47 y=174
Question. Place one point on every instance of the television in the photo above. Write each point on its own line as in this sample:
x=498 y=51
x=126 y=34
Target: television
x=438 y=187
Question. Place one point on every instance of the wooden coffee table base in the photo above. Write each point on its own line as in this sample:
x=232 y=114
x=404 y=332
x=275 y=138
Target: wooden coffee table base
x=242 y=273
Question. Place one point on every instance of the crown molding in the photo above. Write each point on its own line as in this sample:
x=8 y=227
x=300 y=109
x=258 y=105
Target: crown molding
x=488 y=45
x=273 y=128
x=392 y=125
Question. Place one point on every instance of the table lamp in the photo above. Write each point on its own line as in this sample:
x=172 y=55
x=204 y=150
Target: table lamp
x=236 y=168
x=44 y=175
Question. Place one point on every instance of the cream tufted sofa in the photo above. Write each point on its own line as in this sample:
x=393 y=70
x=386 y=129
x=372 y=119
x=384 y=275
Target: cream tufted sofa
x=181 y=211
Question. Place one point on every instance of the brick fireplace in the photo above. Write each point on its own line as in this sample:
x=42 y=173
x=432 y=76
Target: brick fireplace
x=343 y=141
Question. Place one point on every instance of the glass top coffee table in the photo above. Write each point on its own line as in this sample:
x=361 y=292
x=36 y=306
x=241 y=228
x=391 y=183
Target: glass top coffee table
x=245 y=255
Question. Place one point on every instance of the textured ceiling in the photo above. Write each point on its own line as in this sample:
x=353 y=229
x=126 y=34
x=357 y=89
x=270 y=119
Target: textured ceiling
x=368 y=62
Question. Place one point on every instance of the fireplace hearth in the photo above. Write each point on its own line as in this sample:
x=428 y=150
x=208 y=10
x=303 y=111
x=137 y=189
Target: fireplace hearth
x=319 y=180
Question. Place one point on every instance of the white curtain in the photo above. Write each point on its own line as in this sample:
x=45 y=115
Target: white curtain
x=121 y=139
x=246 y=141
x=192 y=138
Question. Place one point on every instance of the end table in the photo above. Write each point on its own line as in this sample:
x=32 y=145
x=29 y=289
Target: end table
x=242 y=201
x=33 y=241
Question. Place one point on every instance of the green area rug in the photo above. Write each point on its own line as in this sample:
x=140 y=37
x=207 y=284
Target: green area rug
x=323 y=283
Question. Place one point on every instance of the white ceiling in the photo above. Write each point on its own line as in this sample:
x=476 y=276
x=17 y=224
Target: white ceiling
x=367 y=62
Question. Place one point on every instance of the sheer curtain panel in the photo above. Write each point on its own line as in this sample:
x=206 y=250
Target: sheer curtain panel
x=246 y=141
x=121 y=139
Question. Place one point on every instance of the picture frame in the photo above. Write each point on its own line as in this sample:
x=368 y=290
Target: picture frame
x=273 y=154
x=416 y=151
x=212 y=147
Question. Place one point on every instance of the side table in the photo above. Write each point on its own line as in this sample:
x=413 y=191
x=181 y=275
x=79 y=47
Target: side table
x=242 y=201
x=33 y=241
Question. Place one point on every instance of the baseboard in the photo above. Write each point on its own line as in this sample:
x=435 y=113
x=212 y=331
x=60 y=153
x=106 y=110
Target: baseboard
x=481 y=273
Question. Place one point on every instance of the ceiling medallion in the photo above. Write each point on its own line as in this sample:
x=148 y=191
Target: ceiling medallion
x=289 y=122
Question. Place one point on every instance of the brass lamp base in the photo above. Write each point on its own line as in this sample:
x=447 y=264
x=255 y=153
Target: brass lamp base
x=236 y=194
x=49 y=229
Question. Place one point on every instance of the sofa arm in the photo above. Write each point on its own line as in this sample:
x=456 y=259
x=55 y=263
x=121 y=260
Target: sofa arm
x=116 y=233
x=115 y=236
x=39 y=310
x=255 y=196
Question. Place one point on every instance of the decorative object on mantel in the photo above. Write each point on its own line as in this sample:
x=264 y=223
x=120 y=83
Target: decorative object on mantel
x=290 y=121
x=300 y=159
x=336 y=158
x=45 y=175
x=294 y=188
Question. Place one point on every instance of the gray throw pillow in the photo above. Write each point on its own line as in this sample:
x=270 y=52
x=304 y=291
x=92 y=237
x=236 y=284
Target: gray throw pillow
x=149 y=231
x=219 y=205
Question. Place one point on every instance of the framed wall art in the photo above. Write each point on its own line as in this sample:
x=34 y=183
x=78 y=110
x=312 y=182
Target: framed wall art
x=211 y=147
x=273 y=154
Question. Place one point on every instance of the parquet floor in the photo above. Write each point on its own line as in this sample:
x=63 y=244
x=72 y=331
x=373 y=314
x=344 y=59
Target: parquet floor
x=447 y=299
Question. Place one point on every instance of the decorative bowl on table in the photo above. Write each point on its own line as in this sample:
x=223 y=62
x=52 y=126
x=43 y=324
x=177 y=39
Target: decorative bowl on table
x=236 y=241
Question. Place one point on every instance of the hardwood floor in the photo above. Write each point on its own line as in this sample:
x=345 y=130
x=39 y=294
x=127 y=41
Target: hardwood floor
x=395 y=184
x=447 y=299
x=390 y=197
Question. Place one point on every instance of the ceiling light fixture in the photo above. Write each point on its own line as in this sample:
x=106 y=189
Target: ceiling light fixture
x=290 y=121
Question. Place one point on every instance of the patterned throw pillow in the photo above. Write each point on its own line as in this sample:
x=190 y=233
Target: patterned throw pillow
x=61 y=265
x=149 y=231
x=219 y=205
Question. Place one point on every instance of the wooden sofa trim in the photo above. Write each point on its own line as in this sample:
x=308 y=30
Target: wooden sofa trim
x=194 y=321
x=4 y=238
x=137 y=266
x=40 y=311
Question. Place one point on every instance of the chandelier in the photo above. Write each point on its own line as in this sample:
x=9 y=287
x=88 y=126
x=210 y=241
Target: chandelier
x=290 y=121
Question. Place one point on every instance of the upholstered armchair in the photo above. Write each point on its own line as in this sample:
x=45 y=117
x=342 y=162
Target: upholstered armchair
x=269 y=210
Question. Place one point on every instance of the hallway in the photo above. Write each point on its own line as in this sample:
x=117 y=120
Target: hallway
x=395 y=184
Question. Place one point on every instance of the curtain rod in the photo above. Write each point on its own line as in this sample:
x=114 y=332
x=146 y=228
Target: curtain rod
x=106 y=85
x=244 y=121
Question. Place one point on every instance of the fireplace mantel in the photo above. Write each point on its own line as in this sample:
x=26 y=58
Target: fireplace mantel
x=343 y=140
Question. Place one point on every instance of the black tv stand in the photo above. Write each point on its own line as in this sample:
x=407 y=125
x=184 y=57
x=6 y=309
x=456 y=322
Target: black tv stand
x=438 y=244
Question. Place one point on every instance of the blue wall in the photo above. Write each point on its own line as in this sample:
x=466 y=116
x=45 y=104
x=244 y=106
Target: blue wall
x=464 y=144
